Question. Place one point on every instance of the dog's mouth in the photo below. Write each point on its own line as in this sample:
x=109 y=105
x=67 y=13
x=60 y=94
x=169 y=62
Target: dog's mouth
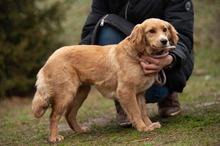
x=162 y=52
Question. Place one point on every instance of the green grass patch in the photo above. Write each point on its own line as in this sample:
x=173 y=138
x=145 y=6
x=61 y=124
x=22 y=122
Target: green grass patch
x=197 y=125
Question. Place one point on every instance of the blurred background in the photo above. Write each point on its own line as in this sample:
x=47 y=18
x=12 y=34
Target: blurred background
x=30 y=30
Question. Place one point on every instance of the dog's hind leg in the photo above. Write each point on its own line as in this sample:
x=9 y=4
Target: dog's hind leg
x=60 y=103
x=54 y=119
x=73 y=108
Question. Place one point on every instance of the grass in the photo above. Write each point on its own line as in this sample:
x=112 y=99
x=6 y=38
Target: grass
x=197 y=125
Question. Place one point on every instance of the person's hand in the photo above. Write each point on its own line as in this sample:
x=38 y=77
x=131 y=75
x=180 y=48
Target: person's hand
x=152 y=65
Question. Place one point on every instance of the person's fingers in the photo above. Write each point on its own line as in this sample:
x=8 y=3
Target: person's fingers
x=162 y=62
x=149 y=68
x=151 y=60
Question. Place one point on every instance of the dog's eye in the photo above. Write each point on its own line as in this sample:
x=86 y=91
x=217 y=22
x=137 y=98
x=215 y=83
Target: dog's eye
x=164 y=29
x=152 y=31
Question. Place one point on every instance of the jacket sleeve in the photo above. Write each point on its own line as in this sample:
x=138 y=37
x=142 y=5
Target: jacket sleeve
x=98 y=10
x=180 y=14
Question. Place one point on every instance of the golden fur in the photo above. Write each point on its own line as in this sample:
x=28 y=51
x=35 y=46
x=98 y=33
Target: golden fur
x=64 y=81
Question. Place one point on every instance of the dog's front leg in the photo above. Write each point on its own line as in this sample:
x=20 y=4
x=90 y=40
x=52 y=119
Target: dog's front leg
x=129 y=103
x=143 y=109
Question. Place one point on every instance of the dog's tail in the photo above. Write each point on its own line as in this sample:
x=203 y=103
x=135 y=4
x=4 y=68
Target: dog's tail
x=41 y=99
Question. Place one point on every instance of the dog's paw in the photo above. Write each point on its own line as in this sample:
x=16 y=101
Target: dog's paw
x=56 y=138
x=85 y=129
x=146 y=128
x=150 y=127
x=156 y=125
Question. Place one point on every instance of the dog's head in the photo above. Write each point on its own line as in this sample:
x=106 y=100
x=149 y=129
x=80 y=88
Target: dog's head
x=153 y=36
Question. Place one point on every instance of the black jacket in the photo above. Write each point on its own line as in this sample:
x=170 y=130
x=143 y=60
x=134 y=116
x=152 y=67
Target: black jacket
x=179 y=13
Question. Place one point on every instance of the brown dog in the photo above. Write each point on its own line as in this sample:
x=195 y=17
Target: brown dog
x=64 y=81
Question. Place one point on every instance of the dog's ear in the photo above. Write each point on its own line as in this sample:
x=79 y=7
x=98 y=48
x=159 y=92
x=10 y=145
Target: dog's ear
x=174 y=37
x=136 y=36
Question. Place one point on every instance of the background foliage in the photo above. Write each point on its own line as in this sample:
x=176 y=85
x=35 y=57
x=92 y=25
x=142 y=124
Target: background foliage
x=28 y=34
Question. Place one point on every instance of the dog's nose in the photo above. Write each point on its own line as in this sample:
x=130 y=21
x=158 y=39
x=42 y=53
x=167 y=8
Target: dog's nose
x=163 y=41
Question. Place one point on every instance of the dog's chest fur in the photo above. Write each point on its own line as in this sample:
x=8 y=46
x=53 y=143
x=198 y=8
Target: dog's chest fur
x=109 y=88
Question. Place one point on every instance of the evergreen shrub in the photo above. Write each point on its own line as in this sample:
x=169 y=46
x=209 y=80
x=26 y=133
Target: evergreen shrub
x=29 y=33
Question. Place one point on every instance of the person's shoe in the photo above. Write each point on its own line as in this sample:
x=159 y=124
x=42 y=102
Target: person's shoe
x=121 y=117
x=170 y=106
